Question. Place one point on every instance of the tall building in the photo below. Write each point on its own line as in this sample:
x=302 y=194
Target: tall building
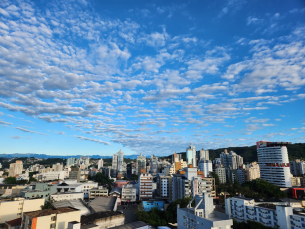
x=70 y=161
x=118 y=163
x=154 y=165
x=145 y=186
x=251 y=172
x=206 y=167
x=100 y=164
x=15 y=169
x=74 y=174
x=164 y=186
x=231 y=160
x=221 y=172
x=141 y=164
x=191 y=155
x=58 y=167
x=297 y=167
x=204 y=154
x=274 y=163
x=176 y=157
x=203 y=215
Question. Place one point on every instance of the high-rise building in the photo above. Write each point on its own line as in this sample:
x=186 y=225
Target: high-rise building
x=297 y=167
x=15 y=169
x=118 y=164
x=274 y=163
x=74 y=174
x=120 y=161
x=221 y=172
x=145 y=186
x=204 y=154
x=191 y=155
x=141 y=164
x=231 y=160
x=176 y=157
x=164 y=186
x=58 y=167
x=70 y=161
x=100 y=164
x=206 y=167
x=154 y=165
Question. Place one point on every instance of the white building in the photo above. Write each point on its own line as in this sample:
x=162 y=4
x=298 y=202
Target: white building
x=67 y=196
x=271 y=214
x=154 y=165
x=206 y=167
x=100 y=164
x=231 y=160
x=57 y=167
x=145 y=186
x=52 y=175
x=297 y=167
x=129 y=193
x=221 y=172
x=191 y=155
x=15 y=169
x=274 y=163
x=141 y=164
x=164 y=186
x=203 y=215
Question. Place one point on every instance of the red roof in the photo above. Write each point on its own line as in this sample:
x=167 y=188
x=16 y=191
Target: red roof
x=14 y=222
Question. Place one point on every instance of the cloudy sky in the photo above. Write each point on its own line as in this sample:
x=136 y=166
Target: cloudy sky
x=91 y=77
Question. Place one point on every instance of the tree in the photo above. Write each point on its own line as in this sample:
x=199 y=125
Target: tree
x=134 y=177
x=10 y=180
x=32 y=179
x=154 y=217
x=103 y=180
x=171 y=211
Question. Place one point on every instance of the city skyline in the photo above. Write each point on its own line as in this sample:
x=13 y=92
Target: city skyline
x=93 y=77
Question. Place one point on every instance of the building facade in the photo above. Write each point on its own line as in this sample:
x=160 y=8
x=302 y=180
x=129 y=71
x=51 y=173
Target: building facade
x=145 y=186
x=129 y=193
x=221 y=172
x=15 y=169
x=191 y=155
x=164 y=186
x=205 y=166
x=274 y=163
x=140 y=164
x=231 y=160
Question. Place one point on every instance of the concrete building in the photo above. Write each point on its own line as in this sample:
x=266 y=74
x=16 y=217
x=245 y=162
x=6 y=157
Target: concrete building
x=57 y=167
x=129 y=193
x=70 y=162
x=297 y=167
x=12 y=209
x=206 y=167
x=49 y=218
x=203 y=155
x=96 y=192
x=150 y=204
x=274 y=163
x=41 y=190
x=153 y=165
x=176 y=157
x=231 y=160
x=191 y=155
x=189 y=184
x=221 y=172
x=164 y=186
x=203 y=215
x=104 y=219
x=51 y=176
x=74 y=174
x=270 y=214
x=251 y=172
x=15 y=169
x=67 y=196
x=145 y=186
x=100 y=164
x=140 y=164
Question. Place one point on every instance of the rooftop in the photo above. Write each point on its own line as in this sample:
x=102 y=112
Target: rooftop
x=14 y=222
x=88 y=219
x=46 y=212
x=133 y=225
x=103 y=203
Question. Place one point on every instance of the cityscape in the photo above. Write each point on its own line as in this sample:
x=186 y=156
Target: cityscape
x=178 y=114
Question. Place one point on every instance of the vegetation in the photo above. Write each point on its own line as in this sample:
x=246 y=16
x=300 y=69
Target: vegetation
x=255 y=189
x=134 y=177
x=102 y=179
x=249 y=225
x=13 y=180
x=154 y=217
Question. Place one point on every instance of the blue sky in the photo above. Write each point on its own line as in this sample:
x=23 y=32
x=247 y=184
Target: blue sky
x=93 y=77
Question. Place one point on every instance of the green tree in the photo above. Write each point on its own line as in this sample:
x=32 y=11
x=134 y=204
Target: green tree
x=171 y=211
x=32 y=179
x=10 y=180
x=134 y=177
x=154 y=217
x=102 y=179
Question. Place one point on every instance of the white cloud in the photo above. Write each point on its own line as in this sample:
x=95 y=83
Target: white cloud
x=5 y=123
x=93 y=140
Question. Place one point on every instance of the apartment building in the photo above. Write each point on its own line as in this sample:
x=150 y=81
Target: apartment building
x=140 y=164
x=205 y=166
x=96 y=192
x=67 y=196
x=15 y=169
x=231 y=160
x=271 y=214
x=12 y=209
x=74 y=174
x=274 y=163
x=49 y=218
x=221 y=172
x=164 y=186
x=129 y=193
x=145 y=186
x=203 y=215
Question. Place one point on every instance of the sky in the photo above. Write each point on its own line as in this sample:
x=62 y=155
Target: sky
x=80 y=77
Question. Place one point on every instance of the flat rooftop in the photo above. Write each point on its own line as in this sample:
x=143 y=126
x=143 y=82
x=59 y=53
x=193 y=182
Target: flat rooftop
x=89 y=219
x=103 y=203
x=133 y=225
x=46 y=212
